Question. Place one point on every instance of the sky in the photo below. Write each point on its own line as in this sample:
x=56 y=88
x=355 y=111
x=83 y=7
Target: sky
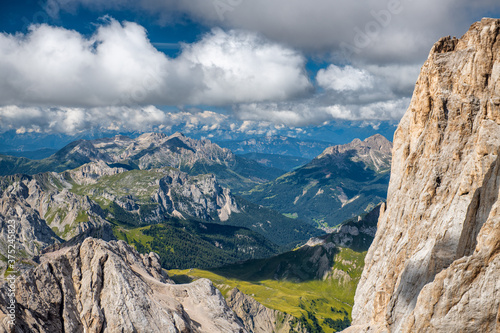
x=238 y=66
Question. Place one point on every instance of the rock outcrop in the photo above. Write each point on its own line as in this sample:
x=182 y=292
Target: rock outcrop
x=259 y=319
x=198 y=196
x=21 y=226
x=103 y=286
x=434 y=265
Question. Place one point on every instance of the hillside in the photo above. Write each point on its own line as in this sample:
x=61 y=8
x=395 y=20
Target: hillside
x=341 y=183
x=163 y=210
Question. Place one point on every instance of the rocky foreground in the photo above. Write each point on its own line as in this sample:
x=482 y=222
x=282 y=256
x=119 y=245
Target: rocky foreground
x=103 y=286
x=434 y=265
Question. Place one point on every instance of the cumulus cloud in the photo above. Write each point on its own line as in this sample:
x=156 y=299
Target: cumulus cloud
x=72 y=121
x=76 y=120
x=58 y=80
x=314 y=112
x=119 y=66
x=347 y=78
x=241 y=66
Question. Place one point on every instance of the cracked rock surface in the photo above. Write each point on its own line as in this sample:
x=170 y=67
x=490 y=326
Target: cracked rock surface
x=103 y=286
x=434 y=265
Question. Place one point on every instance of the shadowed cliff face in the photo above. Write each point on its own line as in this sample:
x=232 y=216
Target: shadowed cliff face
x=434 y=263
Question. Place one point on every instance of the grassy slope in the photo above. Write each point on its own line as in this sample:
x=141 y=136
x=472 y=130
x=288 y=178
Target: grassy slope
x=140 y=184
x=323 y=299
x=60 y=161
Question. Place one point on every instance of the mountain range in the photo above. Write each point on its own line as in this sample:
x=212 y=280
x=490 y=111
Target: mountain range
x=178 y=197
x=157 y=194
x=277 y=145
x=160 y=209
x=151 y=150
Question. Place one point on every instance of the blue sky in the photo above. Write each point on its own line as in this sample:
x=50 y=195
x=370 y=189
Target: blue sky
x=234 y=66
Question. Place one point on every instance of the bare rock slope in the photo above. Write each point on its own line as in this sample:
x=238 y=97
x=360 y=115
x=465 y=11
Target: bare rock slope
x=434 y=265
x=103 y=286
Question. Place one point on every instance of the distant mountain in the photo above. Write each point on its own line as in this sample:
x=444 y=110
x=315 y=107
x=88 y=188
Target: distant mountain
x=151 y=150
x=339 y=184
x=277 y=145
x=282 y=162
x=143 y=197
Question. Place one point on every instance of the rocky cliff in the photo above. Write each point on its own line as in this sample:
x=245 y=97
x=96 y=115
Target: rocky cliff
x=103 y=286
x=434 y=265
x=21 y=226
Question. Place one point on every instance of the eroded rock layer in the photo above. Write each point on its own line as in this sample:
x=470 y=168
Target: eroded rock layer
x=103 y=286
x=434 y=265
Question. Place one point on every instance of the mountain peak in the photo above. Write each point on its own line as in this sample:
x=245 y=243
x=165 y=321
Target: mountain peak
x=151 y=136
x=374 y=151
x=177 y=135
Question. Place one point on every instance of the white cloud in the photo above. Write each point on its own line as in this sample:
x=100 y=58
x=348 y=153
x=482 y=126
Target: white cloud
x=52 y=66
x=313 y=112
x=75 y=120
x=344 y=79
x=245 y=67
x=398 y=78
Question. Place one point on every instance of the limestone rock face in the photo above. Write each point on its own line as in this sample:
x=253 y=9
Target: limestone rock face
x=200 y=196
x=103 y=286
x=30 y=232
x=434 y=265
